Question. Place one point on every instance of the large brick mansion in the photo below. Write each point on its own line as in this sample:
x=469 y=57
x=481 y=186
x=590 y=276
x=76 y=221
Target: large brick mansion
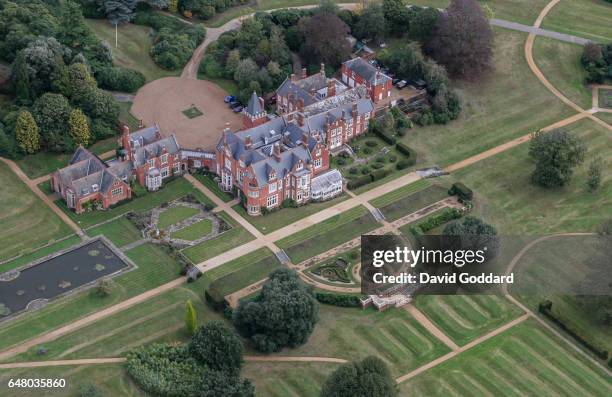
x=270 y=160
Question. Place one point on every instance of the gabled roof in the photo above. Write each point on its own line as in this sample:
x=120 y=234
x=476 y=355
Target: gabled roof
x=367 y=71
x=302 y=88
x=155 y=149
x=282 y=166
x=146 y=135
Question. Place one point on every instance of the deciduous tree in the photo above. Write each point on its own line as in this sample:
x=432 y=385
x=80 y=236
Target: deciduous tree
x=325 y=39
x=594 y=174
x=217 y=347
x=27 y=133
x=52 y=112
x=369 y=377
x=79 y=128
x=191 y=321
x=371 y=24
x=555 y=154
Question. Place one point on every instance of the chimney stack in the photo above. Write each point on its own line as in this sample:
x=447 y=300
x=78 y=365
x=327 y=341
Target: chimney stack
x=300 y=105
x=293 y=77
x=331 y=88
x=140 y=123
x=323 y=69
x=248 y=142
x=355 y=109
x=305 y=138
x=301 y=119
x=304 y=73
x=261 y=102
x=276 y=152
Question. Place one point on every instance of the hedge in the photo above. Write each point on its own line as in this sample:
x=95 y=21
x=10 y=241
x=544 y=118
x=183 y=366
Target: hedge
x=215 y=298
x=462 y=191
x=364 y=180
x=120 y=79
x=448 y=214
x=338 y=299
x=385 y=137
x=404 y=149
x=545 y=308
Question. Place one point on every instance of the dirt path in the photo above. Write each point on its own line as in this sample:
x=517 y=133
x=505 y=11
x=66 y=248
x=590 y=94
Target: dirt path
x=431 y=327
x=461 y=349
x=45 y=199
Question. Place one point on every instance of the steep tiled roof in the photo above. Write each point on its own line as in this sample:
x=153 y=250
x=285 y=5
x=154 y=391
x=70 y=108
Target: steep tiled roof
x=367 y=71
x=254 y=105
x=154 y=149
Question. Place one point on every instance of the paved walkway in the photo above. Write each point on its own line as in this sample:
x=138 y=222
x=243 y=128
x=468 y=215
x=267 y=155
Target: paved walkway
x=431 y=327
x=539 y=31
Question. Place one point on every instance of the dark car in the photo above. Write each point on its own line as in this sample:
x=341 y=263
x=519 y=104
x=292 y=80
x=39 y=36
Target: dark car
x=233 y=104
x=395 y=81
x=238 y=109
x=229 y=98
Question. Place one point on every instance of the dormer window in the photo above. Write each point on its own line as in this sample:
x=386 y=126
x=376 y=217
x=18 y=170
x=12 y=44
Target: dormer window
x=299 y=166
x=151 y=163
x=164 y=158
x=95 y=187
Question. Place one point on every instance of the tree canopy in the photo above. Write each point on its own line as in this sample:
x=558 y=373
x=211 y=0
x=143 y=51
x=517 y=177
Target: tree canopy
x=325 y=39
x=555 y=154
x=283 y=315
x=369 y=377
x=217 y=347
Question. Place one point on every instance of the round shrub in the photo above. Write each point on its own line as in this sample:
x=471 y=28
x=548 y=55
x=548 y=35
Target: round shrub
x=217 y=347
x=120 y=79
x=371 y=143
x=353 y=170
x=392 y=158
x=340 y=161
x=365 y=170
x=377 y=166
x=380 y=159
x=367 y=150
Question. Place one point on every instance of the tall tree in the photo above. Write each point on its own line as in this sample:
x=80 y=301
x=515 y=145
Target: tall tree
x=20 y=79
x=325 y=39
x=217 y=347
x=422 y=23
x=594 y=174
x=52 y=112
x=27 y=133
x=555 y=154
x=397 y=15
x=371 y=24
x=79 y=128
x=118 y=11
x=191 y=321
x=369 y=377
x=463 y=40
x=279 y=52
x=73 y=30
x=283 y=315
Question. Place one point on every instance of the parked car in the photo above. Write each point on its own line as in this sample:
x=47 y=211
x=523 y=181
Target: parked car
x=233 y=104
x=383 y=45
x=395 y=81
x=238 y=109
x=229 y=98
x=401 y=84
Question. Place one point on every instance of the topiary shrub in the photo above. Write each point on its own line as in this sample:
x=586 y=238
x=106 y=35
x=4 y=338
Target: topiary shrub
x=371 y=143
x=377 y=166
x=462 y=191
x=367 y=150
x=353 y=170
x=365 y=170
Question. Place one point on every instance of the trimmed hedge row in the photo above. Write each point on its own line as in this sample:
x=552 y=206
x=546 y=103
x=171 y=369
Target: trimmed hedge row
x=448 y=214
x=215 y=298
x=545 y=308
x=384 y=136
x=338 y=299
x=364 y=180
x=462 y=191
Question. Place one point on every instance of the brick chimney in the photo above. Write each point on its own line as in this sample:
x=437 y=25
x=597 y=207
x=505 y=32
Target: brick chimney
x=331 y=88
x=300 y=105
x=300 y=119
x=323 y=69
x=293 y=78
x=304 y=73
x=248 y=142
x=354 y=113
x=140 y=123
x=276 y=152
x=304 y=138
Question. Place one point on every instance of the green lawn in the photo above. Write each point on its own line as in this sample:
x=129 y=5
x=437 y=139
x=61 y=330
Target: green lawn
x=195 y=231
x=134 y=46
x=551 y=267
x=560 y=63
x=32 y=256
x=584 y=18
x=328 y=234
x=45 y=187
x=120 y=231
x=409 y=199
x=605 y=98
x=155 y=267
x=208 y=181
x=525 y=360
x=227 y=240
x=26 y=222
x=607 y=117
x=508 y=103
x=465 y=317
x=244 y=271
x=329 y=272
x=393 y=335
x=285 y=216
x=288 y=379
x=171 y=190
x=505 y=196
x=174 y=215
x=126 y=117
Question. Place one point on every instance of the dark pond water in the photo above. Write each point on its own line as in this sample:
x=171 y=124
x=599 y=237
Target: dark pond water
x=59 y=275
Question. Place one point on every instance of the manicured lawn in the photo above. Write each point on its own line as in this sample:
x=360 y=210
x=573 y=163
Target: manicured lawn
x=195 y=231
x=208 y=181
x=227 y=240
x=26 y=222
x=506 y=197
x=584 y=18
x=174 y=215
x=560 y=63
x=171 y=190
x=328 y=234
x=244 y=271
x=607 y=117
x=393 y=335
x=134 y=46
x=120 y=231
x=551 y=267
x=155 y=267
x=465 y=317
x=525 y=360
x=45 y=187
x=126 y=117
x=331 y=272
x=27 y=258
x=288 y=379
x=285 y=216
x=398 y=194
x=605 y=98
x=192 y=112
x=508 y=103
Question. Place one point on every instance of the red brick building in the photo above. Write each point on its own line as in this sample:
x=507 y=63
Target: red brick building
x=358 y=72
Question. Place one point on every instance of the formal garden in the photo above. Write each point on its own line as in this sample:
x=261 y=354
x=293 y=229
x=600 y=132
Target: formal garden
x=341 y=269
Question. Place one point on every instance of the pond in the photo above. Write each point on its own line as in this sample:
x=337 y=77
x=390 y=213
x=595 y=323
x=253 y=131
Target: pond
x=58 y=274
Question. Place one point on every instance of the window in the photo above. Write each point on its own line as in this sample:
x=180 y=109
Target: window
x=299 y=195
x=253 y=209
x=318 y=163
x=164 y=158
x=94 y=187
x=272 y=200
x=272 y=187
x=254 y=193
x=228 y=163
x=197 y=163
x=117 y=192
x=304 y=180
x=151 y=163
x=165 y=172
x=176 y=167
